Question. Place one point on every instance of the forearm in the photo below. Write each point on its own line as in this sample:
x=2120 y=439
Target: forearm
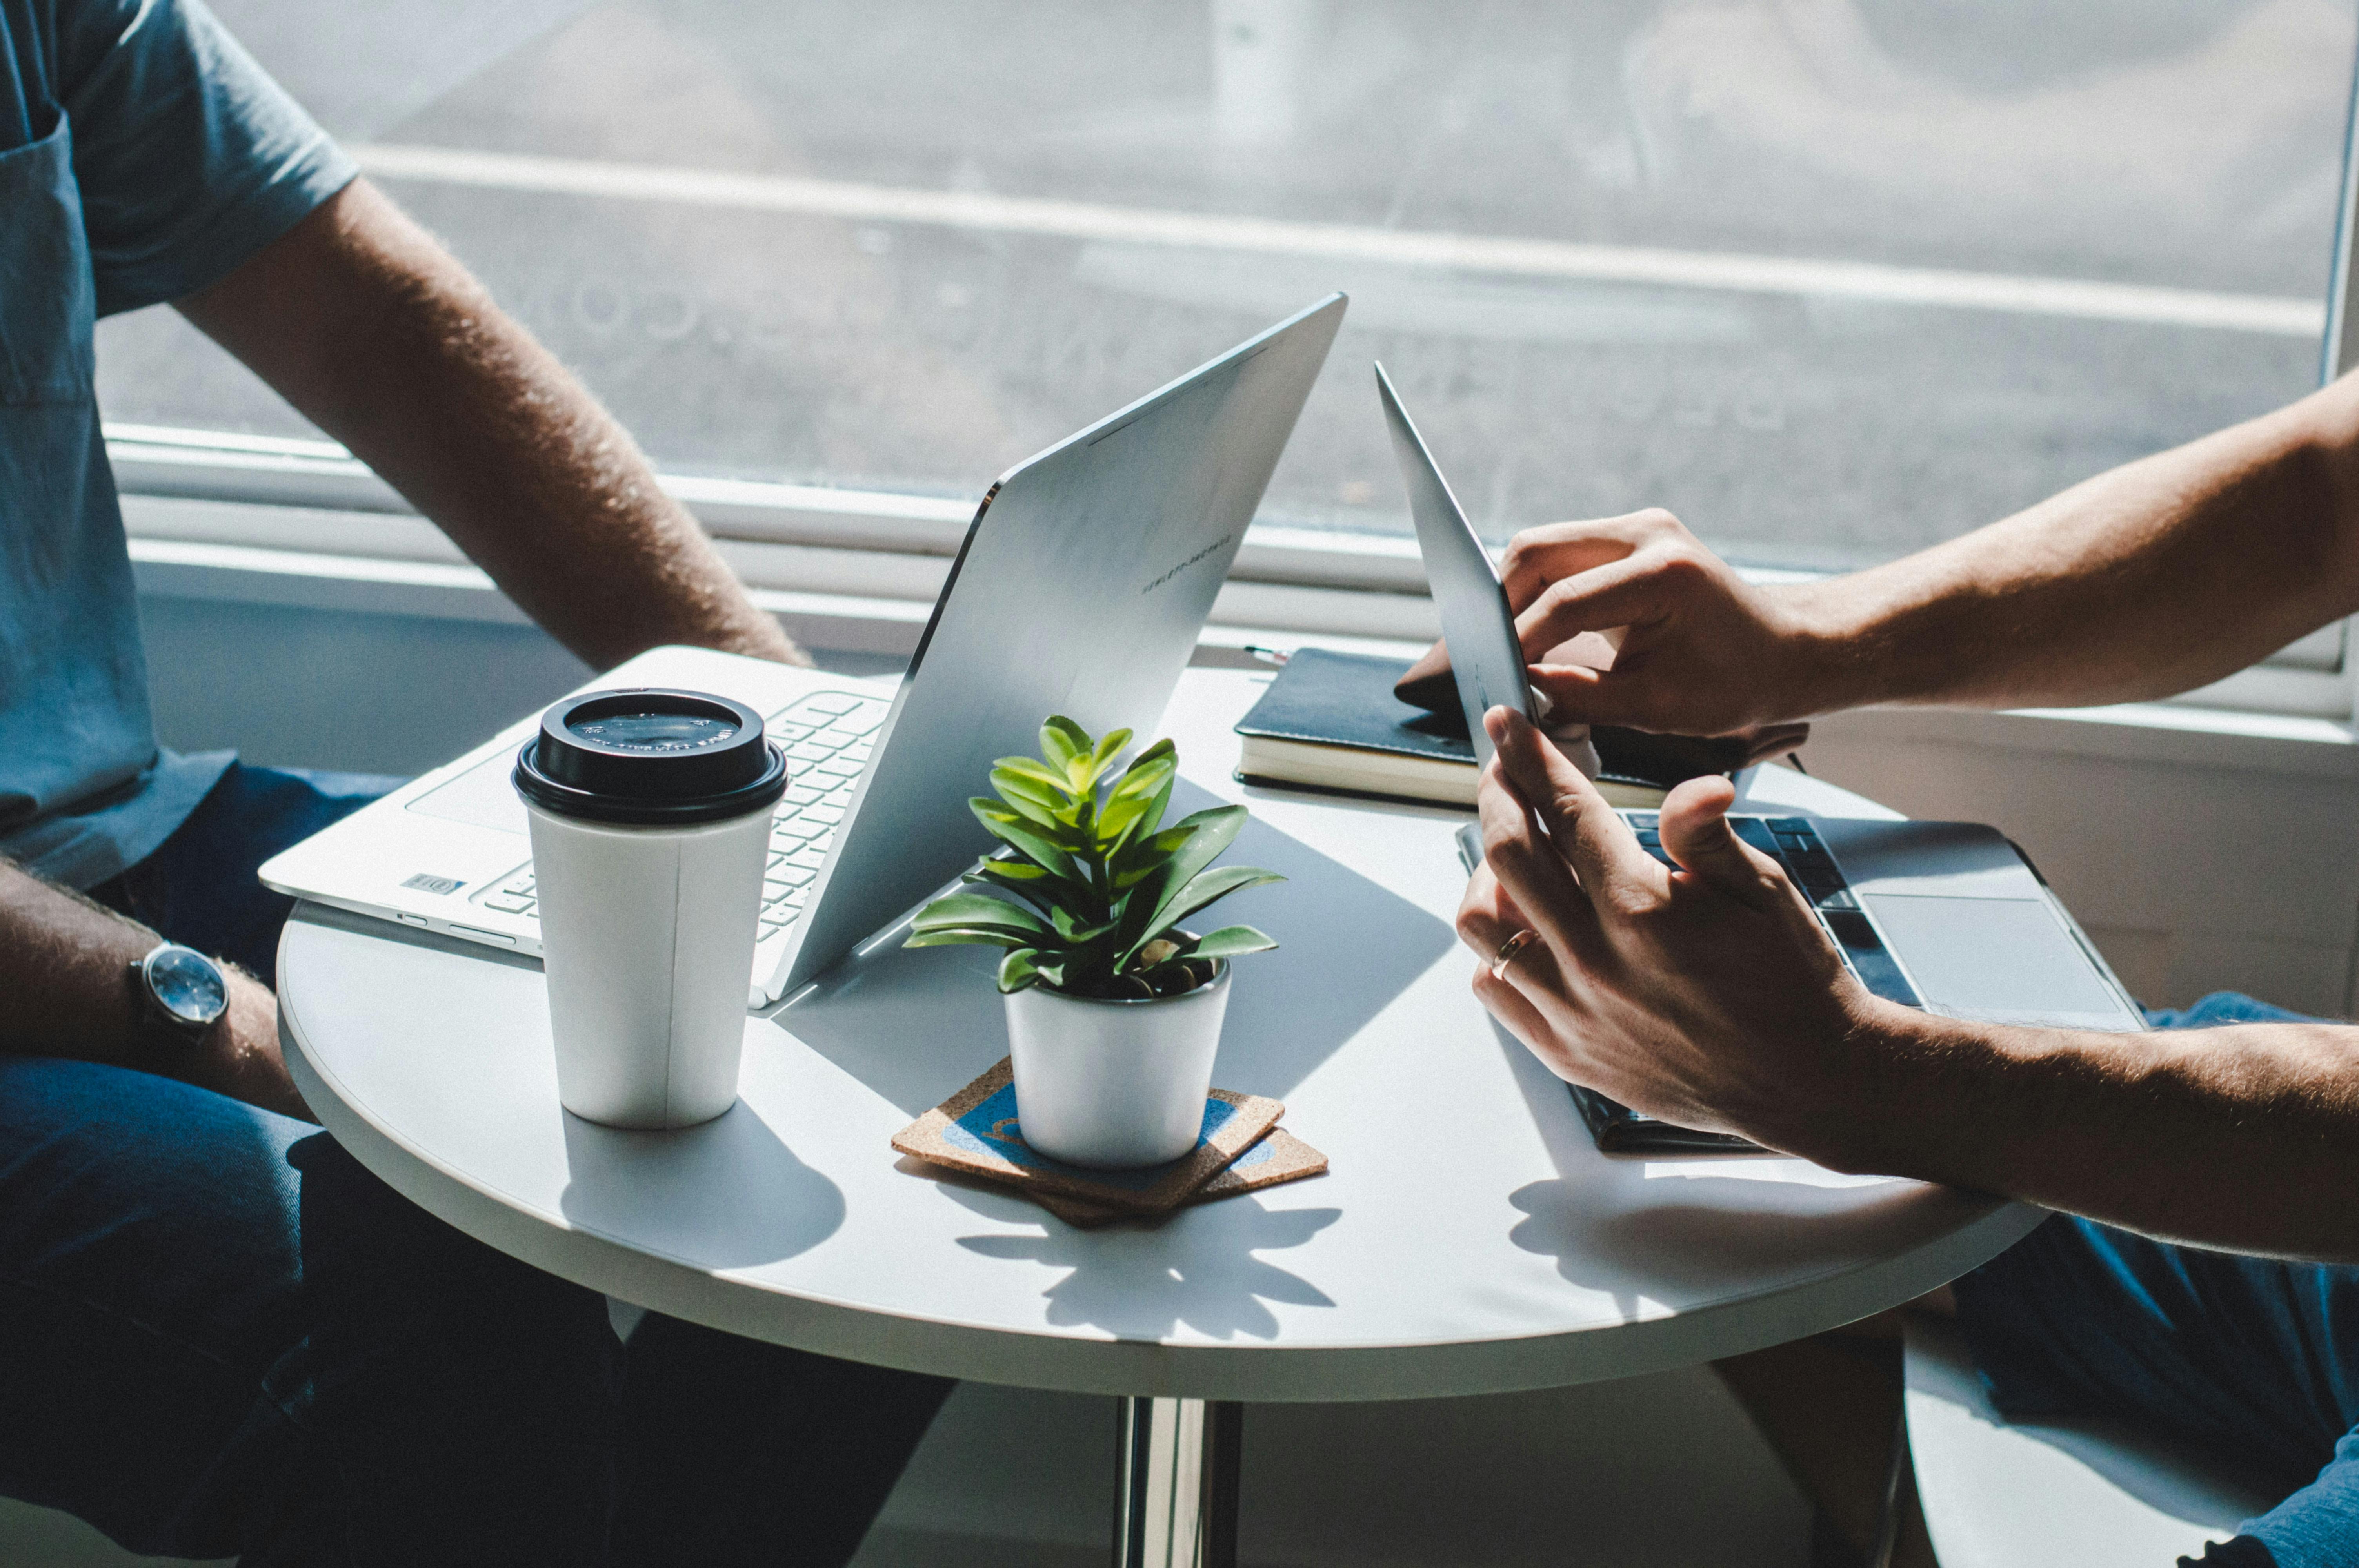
x=2153 y=579
x=377 y=334
x=64 y=964
x=65 y=975
x=2244 y=1138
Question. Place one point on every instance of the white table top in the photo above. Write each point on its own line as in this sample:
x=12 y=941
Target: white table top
x=1468 y=1238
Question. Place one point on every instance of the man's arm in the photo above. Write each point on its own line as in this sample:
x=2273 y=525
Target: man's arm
x=377 y=334
x=1710 y=997
x=65 y=971
x=2158 y=577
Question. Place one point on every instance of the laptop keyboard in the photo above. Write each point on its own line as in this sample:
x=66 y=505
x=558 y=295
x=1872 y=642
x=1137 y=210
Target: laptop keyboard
x=1795 y=844
x=828 y=738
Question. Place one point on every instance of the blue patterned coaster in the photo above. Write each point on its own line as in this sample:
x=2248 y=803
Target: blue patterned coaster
x=976 y=1131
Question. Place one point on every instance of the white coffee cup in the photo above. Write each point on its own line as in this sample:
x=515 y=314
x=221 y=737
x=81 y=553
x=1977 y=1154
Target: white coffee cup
x=650 y=819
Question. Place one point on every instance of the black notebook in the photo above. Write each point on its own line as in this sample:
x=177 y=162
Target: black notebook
x=1330 y=722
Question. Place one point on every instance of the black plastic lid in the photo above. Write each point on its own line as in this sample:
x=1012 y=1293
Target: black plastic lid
x=646 y=756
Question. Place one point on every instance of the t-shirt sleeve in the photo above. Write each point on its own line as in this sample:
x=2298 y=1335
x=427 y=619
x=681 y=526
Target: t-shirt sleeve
x=190 y=157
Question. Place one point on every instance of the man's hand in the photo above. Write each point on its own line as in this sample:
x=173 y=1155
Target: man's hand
x=240 y=1056
x=1695 y=650
x=1708 y=996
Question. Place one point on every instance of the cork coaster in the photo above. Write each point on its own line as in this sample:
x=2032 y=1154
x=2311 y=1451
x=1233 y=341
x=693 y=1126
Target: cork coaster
x=975 y=1131
x=1278 y=1158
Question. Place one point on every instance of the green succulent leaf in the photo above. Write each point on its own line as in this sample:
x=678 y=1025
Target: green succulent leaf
x=1091 y=882
x=978 y=910
x=1216 y=883
x=1144 y=853
x=1107 y=750
x=1026 y=967
x=1134 y=806
x=1014 y=787
x=1150 y=821
x=1024 y=835
x=1043 y=816
x=1037 y=887
x=1191 y=844
x=1018 y=969
x=1077 y=929
x=1008 y=871
x=968 y=936
x=1033 y=771
x=1197 y=891
x=1229 y=941
x=1063 y=742
x=1194 y=841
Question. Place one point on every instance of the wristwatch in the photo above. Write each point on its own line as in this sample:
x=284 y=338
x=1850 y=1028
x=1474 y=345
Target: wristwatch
x=181 y=988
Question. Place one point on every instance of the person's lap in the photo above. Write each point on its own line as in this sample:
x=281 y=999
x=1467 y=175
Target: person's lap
x=218 y=1334
x=2251 y=1358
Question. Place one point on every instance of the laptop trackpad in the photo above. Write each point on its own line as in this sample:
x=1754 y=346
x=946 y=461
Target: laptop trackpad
x=482 y=795
x=2004 y=960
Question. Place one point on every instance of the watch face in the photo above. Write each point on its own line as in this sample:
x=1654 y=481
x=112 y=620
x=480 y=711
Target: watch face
x=188 y=985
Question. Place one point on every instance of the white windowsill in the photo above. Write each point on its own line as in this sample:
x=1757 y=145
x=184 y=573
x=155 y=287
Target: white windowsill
x=172 y=567
x=312 y=497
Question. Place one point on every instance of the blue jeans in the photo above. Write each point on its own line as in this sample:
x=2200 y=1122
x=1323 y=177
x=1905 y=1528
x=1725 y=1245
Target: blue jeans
x=2254 y=1360
x=220 y=1336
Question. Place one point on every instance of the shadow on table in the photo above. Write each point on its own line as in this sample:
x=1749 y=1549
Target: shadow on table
x=1197 y=1268
x=1656 y=1227
x=727 y=1195
x=915 y=1026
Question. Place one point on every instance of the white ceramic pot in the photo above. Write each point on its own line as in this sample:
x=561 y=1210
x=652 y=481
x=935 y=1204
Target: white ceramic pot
x=1114 y=1084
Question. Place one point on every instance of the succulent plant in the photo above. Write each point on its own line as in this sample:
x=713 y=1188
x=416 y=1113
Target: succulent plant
x=1091 y=887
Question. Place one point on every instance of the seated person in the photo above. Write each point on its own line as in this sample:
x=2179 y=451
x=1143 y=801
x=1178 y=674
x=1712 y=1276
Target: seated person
x=2198 y=1277
x=219 y=1336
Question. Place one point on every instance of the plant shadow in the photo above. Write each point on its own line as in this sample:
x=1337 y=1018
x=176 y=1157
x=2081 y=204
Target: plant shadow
x=915 y=1024
x=1199 y=1270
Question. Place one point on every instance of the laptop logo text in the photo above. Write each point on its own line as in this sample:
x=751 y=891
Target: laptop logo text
x=425 y=883
x=1217 y=543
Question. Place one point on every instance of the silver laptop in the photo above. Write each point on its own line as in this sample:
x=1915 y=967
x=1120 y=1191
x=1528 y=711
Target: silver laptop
x=1080 y=589
x=1947 y=916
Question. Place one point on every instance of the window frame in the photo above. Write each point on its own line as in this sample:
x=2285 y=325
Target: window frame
x=313 y=498
x=888 y=550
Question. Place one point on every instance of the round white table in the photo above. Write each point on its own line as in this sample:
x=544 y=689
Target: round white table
x=1468 y=1238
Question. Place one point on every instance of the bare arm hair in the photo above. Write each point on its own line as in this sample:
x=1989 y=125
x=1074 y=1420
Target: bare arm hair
x=358 y=318
x=2156 y=577
x=2240 y=1138
x=65 y=970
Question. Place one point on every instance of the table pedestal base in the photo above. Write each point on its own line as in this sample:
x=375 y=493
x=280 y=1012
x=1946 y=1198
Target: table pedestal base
x=1176 y=1480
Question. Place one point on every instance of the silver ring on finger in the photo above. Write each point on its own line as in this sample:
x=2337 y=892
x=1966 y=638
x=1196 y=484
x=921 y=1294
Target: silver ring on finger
x=1510 y=950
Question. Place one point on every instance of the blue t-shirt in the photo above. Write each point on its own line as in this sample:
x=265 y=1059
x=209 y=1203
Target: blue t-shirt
x=143 y=155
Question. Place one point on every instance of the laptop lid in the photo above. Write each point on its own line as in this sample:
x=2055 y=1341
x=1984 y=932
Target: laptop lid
x=1484 y=653
x=1080 y=589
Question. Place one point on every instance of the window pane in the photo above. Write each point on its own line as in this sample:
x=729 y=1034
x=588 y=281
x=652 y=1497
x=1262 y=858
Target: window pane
x=1570 y=232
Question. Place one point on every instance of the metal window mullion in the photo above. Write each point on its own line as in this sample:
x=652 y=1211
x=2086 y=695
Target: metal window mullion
x=2339 y=349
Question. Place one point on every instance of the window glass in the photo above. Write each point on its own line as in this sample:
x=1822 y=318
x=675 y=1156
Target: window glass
x=1830 y=278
